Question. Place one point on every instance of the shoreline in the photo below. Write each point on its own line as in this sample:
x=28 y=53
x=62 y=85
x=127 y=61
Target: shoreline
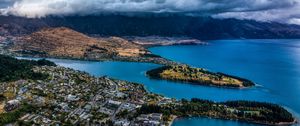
x=155 y=41
x=157 y=60
x=249 y=122
x=207 y=85
x=170 y=122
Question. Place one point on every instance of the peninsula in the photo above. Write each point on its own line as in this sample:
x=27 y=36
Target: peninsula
x=198 y=76
x=152 y=41
x=63 y=96
x=63 y=42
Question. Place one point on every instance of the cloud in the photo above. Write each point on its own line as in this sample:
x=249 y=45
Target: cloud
x=290 y=14
x=263 y=10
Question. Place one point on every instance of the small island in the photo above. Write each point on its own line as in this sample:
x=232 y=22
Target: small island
x=198 y=76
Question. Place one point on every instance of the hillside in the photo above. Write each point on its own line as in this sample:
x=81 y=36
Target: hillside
x=66 y=43
x=171 y=25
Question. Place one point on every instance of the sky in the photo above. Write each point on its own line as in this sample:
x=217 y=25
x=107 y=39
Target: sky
x=284 y=11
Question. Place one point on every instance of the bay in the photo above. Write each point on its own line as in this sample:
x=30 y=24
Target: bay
x=273 y=64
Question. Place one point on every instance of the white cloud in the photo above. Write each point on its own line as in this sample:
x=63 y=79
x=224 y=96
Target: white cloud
x=289 y=15
x=294 y=21
x=264 y=10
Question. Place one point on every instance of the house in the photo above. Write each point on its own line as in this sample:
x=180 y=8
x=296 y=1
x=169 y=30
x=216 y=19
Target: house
x=88 y=107
x=11 y=105
x=64 y=107
x=122 y=123
x=72 y=98
x=117 y=103
x=156 y=116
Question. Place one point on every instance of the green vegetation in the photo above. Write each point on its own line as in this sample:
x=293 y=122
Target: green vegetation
x=13 y=69
x=39 y=92
x=10 y=117
x=266 y=111
x=198 y=76
x=2 y=98
x=123 y=113
x=258 y=112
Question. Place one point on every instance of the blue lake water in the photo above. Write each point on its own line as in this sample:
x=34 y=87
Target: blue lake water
x=273 y=64
x=209 y=122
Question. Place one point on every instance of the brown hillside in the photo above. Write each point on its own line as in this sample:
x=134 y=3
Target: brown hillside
x=64 y=42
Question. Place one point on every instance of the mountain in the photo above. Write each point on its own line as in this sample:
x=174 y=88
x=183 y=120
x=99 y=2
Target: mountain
x=63 y=42
x=153 y=25
x=69 y=43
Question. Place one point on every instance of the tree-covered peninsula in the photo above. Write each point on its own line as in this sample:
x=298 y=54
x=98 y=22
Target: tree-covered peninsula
x=249 y=111
x=198 y=76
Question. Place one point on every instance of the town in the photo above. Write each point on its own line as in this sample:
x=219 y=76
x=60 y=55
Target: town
x=74 y=97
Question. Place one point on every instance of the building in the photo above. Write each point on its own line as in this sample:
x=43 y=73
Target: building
x=11 y=105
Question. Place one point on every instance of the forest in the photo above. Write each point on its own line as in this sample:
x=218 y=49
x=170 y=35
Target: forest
x=249 y=111
x=13 y=69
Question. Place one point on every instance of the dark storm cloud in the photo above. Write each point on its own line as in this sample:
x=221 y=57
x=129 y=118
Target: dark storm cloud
x=265 y=10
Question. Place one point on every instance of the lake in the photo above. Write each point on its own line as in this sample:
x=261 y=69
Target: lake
x=273 y=64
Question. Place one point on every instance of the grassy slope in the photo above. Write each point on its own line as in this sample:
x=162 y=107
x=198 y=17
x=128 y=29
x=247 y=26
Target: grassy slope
x=198 y=76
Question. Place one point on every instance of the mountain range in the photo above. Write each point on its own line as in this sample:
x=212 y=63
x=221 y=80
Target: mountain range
x=199 y=27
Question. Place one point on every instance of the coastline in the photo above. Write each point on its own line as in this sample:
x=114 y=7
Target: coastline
x=208 y=85
x=245 y=121
x=158 y=60
x=154 y=41
x=173 y=118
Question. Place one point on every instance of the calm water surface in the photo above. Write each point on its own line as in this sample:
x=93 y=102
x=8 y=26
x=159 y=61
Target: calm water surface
x=209 y=122
x=273 y=64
